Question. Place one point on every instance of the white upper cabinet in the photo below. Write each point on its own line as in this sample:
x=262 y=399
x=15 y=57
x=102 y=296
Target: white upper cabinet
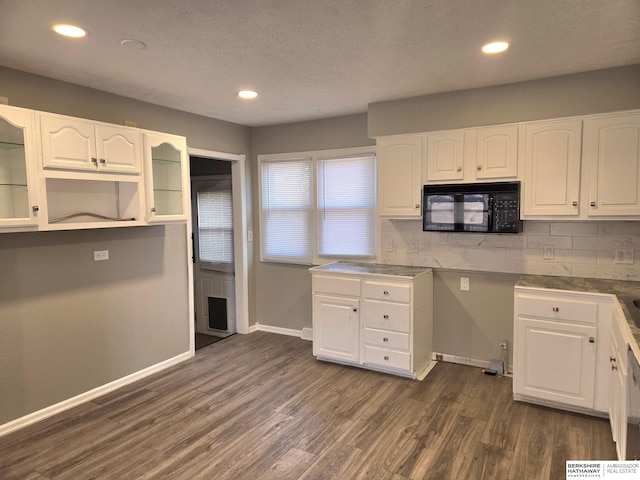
x=18 y=191
x=611 y=159
x=76 y=144
x=470 y=155
x=400 y=175
x=551 y=156
x=167 y=177
x=445 y=156
x=497 y=152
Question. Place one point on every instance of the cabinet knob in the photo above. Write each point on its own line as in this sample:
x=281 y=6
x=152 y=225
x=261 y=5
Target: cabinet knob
x=386 y=357
x=385 y=339
x=417 y=205
x=592 y=340
x=613 y=367
x=103 y=161
x=153 y=209
x=94 y=160
x=479 y=167
x=35 y=208
x=386 y=292
x=612 y=359
x=593 y=204
x=555 y=309
x=386 y=317
x=355 y=309
x=574 y=203
x=459 y=169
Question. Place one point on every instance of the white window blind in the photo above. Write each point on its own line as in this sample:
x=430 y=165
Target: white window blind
x=287 y=211
x=215 y=226
x=347 y=206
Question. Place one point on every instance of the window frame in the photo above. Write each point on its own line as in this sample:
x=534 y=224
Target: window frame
x=314 y=157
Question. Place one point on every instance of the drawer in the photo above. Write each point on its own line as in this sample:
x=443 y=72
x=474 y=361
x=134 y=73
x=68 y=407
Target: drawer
x=386 y=339
x=394 y=292
x=582 y=311
x=387 y=358
x=349 y=287
x=387 y=316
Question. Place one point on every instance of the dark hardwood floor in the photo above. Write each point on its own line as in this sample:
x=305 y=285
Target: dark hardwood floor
x=260 y=407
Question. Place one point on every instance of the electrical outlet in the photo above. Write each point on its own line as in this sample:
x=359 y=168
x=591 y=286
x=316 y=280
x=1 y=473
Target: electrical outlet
x=464 y=284
x=4 y=101
x=624 y=256
x=413 y=246
x=250 y=236
x=99 y=255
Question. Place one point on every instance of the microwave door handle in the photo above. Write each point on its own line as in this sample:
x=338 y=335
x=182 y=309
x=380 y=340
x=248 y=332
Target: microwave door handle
x=490 y=213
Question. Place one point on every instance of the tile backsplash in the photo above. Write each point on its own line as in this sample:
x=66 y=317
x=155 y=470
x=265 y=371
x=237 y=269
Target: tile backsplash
x=579 y=249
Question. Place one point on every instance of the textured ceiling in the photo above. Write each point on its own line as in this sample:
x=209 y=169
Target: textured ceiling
x=311 y=58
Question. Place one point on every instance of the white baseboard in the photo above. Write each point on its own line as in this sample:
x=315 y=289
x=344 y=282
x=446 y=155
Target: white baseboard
x=472 y=362
x=90 y=395
x=280 y=330
x=307 y=334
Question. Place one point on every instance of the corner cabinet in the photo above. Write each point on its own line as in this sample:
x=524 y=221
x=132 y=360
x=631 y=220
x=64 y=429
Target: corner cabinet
x=400 y=176
x=612 y=164
x=559 y=338
x=167 y=178
x=379 y=321
x=18 y=185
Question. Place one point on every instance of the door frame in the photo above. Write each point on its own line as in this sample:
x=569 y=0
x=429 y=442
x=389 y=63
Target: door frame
x=238 y=185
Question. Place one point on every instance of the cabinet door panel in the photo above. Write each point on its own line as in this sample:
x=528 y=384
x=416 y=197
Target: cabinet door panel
x=68 y=143
x=612 y=153
x=497 y=152
x=119 y=149
x=445 y=156
x=336 y=328
x=552 y=156
x=400 y=176
x=556 y=361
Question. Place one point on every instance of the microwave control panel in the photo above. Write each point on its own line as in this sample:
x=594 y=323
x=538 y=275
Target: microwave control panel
x=506 y=213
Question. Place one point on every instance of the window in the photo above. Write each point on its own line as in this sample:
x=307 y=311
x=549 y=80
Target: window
x=215 y=227
x=318 y=205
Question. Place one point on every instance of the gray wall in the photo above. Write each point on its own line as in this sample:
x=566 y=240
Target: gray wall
x=472 y=323
x=68 y=324
x=283 y=296
x=599 y=91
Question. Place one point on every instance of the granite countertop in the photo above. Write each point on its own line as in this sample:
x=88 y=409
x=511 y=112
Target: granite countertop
x=372 y=269
x=625 y=291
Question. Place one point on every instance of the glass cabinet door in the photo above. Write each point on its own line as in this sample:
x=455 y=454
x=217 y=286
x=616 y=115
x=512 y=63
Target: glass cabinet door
x=167 y=197
x=16 y=208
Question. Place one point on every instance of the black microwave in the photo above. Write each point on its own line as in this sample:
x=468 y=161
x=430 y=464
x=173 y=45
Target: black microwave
x=472 y=207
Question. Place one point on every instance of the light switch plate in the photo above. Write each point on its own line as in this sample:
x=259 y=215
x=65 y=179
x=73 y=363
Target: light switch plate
x=464 y=284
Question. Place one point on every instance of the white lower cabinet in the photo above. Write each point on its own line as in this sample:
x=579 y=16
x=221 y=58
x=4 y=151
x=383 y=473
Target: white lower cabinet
x=561 y=341
x=381 y=322
x=618 y=386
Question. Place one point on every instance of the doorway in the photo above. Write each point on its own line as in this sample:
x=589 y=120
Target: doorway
x=220 y=277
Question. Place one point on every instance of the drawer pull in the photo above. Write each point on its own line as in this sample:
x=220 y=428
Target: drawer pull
x=386 y=317
x=385 y=339
x=555 y=309
x=386 y=292
x=612 y=359
x=386 y=357
x=592 y=340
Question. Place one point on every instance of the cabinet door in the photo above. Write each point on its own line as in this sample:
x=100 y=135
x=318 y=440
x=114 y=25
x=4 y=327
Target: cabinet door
x=552 y=153
x=612 y=158
x=336 y=328
x=497 y=152
x=556 y=361
x=18 y=192
x=445 y=156
x=167 y=178
x=400 y=176
x=68 y=143
x=119 y=149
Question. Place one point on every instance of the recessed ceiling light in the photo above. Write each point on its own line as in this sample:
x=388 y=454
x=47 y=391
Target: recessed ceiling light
x=69 y=30
x=132 y=43
x=495 y=47
x=247 y=94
